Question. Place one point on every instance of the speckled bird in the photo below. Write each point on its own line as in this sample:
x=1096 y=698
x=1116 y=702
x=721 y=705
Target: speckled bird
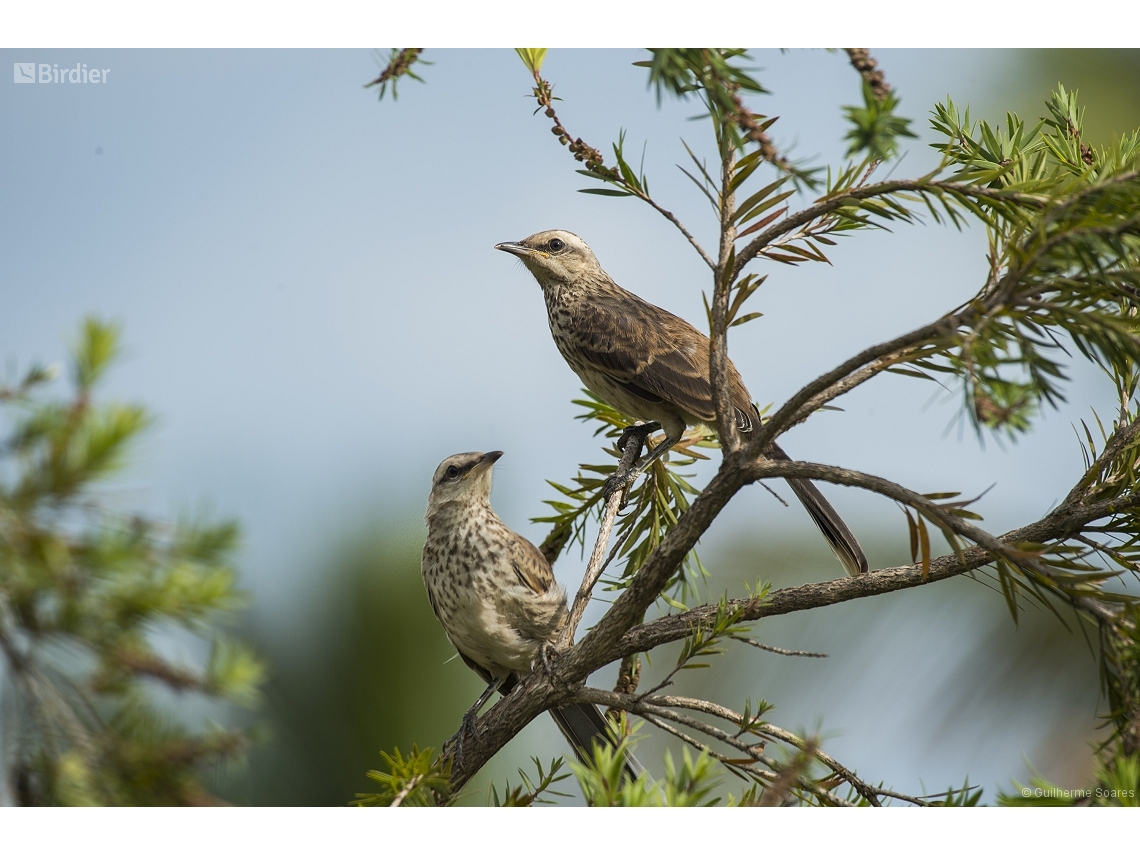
x=649 y=364
x=494 y=592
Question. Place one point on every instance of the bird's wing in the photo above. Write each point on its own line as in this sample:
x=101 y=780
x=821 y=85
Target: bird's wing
x=654 y=354
x=476 y=667
x=530 y=566
x=541 y=616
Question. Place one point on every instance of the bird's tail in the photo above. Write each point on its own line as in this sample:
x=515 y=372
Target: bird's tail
x=834 y=529
x=583 y=725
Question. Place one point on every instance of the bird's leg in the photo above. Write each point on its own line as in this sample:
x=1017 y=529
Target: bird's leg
x=616 y=483
x=637 y=434
x=467 y=728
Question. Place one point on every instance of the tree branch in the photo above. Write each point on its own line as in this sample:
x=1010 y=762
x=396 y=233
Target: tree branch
x=652 y=707
x=632 y=443
x=722 y=287
x=847 y=375
x=1061 y=523
x=830 y=204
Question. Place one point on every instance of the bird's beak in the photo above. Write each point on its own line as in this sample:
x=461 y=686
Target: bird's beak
x=515 y=249
x=485 y=462
x=520 y=250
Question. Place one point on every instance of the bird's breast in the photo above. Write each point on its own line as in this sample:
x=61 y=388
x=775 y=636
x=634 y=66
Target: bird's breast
x=474 y=589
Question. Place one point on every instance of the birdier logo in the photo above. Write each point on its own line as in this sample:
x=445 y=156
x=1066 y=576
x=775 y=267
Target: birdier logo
x=30 y=72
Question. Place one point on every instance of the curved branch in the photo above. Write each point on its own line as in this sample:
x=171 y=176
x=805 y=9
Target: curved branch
x=663 y=706
x=830 y=204
x=866 y=790
x=856 y=370
x=1061 y=523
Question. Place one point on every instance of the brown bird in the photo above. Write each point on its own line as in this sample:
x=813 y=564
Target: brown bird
x=649 y=364
x=495 y=594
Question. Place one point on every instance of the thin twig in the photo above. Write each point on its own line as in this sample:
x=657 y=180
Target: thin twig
x=595 y=162
x=868 y=68
x=868 y=791
x=710 y=708
x=594 y=567
x=754 y=643
x=634 y=441
x=400 y=63
x=413 y=782
x=756 y=752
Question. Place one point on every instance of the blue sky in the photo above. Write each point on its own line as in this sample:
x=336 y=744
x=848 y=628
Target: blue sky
x=309 y=295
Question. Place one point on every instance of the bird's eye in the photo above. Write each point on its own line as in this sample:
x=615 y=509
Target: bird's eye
x=452 y=471
x=556 y=245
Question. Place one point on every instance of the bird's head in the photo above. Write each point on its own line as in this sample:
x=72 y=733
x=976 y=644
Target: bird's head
x=463 y=478
x=555 y=257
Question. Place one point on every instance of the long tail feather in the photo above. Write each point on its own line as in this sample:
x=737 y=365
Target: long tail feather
x=834 y=529
x=583 y=725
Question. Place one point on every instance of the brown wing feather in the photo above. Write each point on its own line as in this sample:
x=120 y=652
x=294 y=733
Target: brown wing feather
x=543 y=615
x=530 y=566
x=655 y=355
x=477 y=668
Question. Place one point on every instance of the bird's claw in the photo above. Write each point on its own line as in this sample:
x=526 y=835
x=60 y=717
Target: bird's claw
x=466 y=731
x=546 y=654
x=641 y=431
x=619 y=484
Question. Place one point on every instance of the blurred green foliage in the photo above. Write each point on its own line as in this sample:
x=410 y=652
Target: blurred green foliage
x=604 y=783
x=89 y=597
x=363 y=669
x=1117 y=784
x=1108 y=81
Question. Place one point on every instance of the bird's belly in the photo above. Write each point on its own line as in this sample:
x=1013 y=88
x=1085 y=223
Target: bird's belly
x=617 y=396
x=671 y=417
x=480 y=631
x=624 y=401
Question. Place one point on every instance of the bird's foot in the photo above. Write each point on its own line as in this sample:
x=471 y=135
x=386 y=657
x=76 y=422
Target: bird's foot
x=547 y=655
x=467 y=727
x=641 y=432
x=619 y=484
x=459 y=740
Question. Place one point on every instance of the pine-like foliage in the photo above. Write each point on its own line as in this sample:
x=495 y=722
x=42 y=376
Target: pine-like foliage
x=90 y=596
